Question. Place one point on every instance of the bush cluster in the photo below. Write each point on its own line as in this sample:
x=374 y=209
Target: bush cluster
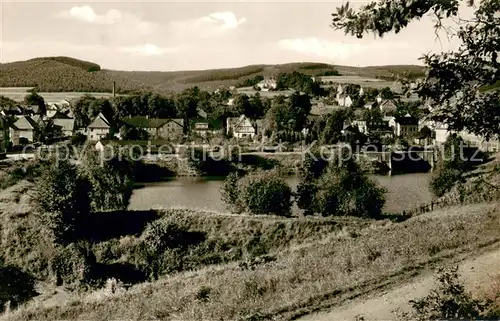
x=450 y=168
x=258 y=193
x=338 y=189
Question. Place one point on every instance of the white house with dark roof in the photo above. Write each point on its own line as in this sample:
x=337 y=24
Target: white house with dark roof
x=267 y=84
x=24 y=127
x=406 y=126
x=99 y=128
x=240 y=127
x=67 y=126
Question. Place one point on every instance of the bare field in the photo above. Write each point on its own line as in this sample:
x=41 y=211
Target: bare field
x=269 y=94
x=363 y=81
x=18 y=93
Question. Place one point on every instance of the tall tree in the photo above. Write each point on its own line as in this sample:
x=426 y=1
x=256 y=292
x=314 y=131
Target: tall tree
x=241 y=105
x=453 y=79
x=33 y=98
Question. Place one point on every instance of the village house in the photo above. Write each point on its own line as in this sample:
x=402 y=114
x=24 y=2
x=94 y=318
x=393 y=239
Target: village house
x=201 y=113
x=267 y=84
x=388 y=106
x=66 y=125
x=406 y=126
x=16 y=111
x=203 y=127
x=25 y=128
x=361 y=125
x=165 y=128
x=369 y=105
x=240 y=127
x=442 y=133
x=99 y=128
x=380 y=126
x=32 y=110
x=344 y=100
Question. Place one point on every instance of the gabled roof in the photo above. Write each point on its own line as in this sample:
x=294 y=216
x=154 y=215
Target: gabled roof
x=407 y=120
x=202 y=113
x=145 y=122
x=60 y=115
x=25 y=123
x=66 y=124
x=37 y=118
x=13 y=110
x=51 y=113
x=100 y=122
x=212 y=123
x=238 y=122
x=33 y=108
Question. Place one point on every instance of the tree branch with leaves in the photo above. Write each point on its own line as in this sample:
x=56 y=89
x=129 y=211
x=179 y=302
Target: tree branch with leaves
x=454 y=80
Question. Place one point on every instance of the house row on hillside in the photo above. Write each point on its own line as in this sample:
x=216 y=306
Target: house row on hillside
x=406 y=126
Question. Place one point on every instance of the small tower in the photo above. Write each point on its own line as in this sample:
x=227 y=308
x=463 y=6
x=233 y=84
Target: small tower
x=114 y=88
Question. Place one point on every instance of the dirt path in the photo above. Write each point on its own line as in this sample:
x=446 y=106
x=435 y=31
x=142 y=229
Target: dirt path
x=476 y=273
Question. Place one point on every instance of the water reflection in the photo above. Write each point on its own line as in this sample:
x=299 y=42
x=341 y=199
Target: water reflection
x=404 y=191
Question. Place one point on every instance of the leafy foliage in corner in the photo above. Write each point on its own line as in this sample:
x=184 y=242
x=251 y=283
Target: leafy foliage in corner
x=449 y=301
x=453 y=79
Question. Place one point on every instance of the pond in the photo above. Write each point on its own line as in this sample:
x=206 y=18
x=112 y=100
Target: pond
x=403 y=192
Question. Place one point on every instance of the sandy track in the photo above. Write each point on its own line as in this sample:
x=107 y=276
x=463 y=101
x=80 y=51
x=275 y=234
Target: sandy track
x=476 y=273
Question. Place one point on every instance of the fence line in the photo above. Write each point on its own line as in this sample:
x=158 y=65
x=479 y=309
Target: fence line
x=461 y=199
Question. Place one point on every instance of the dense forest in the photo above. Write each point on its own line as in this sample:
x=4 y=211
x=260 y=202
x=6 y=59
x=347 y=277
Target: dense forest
x=65 y=74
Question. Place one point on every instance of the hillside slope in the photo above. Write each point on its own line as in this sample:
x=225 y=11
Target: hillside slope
x=69 y=74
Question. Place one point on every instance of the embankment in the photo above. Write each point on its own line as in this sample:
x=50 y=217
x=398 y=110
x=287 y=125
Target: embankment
x=301 y=278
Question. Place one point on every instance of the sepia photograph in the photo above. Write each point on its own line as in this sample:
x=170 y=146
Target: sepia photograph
x=249 y=160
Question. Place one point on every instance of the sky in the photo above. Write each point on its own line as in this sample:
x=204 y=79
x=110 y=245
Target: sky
x=188 y=35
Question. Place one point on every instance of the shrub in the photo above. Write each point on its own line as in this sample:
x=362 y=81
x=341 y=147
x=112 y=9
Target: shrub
x=161 y=234
x=340 y=190
x=305 y=196
x=72 y=265
x=369 y=199
x=16 y=286
x=78 y=139
x=265 y=193
x=257 y=193
x=443 y=179
x=163 y=247
x=62 y=200
x=111 y=183
x=230 y=193
x=449 y=301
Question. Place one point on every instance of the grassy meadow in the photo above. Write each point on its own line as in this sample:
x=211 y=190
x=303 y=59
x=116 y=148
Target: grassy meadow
x=303 y=276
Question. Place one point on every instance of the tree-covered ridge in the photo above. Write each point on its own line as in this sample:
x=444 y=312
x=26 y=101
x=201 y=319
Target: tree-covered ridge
x=86 y=65
x=454 y=80
x=53 y=76
x=66 y=74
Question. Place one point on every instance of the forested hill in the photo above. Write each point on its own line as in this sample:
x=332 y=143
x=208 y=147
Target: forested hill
x=67 y=74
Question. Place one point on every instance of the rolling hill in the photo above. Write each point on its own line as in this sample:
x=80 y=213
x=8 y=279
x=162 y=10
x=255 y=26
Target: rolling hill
x=65 y=74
